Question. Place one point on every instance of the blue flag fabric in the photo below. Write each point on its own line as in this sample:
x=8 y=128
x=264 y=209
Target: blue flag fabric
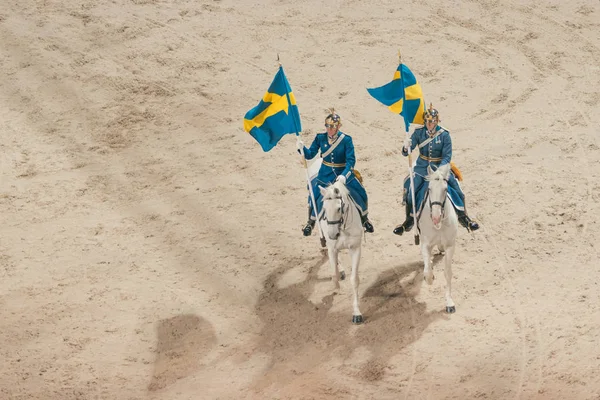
x=403 y=95
x=276 y=114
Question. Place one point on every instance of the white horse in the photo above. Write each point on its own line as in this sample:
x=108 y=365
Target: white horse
x=438 y=224
x=340 y=222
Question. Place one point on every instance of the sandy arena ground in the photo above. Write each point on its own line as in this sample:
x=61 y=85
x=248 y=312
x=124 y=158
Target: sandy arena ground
x=149 y=249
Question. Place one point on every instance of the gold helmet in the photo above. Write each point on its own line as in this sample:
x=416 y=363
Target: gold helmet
x=431 y=114
x=333 y=119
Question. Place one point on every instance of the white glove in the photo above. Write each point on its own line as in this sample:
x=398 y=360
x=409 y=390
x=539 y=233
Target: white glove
x=341 y=178
x=407 y=143
x=299 y=144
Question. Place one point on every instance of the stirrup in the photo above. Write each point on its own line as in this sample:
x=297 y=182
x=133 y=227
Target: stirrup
x=467 y=223
x=368 y=226
x=307 y=230
x=473 y=226
x=406 y=226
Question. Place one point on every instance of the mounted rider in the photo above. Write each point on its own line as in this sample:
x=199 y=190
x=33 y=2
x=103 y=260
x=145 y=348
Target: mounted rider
x=337 y=151
x=435 y=150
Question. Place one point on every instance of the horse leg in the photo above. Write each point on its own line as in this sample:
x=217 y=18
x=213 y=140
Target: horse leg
x=357 y=317
x=450 y=308
x=333 y=261
x=427 y=271
x=441 y=250
x=340 y=271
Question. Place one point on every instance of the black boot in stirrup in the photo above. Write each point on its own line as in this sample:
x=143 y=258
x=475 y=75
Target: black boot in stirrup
x=466 y=222
x=367 y=224
x=307 y=230
x=407 y=225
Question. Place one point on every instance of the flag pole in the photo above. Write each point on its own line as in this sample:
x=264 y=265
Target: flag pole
x=310 y=189
x=410 y=169
x=412 y=192
x=312 y=196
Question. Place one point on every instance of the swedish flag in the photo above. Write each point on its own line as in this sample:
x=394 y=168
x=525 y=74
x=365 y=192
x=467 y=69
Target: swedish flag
x=403 y=95
x=275 y=115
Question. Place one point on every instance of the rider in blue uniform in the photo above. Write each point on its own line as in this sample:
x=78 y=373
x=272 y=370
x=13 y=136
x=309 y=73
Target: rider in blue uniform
x=435 y=150
x=337 y=151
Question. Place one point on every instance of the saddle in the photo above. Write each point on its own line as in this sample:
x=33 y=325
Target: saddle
x=456 y=171
x=357 y=175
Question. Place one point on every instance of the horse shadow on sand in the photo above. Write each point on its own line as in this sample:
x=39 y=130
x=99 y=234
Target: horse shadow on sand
x=299 y=335
x=182 y=340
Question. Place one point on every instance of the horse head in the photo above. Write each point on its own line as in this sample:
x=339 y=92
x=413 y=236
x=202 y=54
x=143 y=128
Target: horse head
x=437 y=192
x=335 y=204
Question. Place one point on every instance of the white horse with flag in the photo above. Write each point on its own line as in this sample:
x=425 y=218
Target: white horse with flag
x=438 y=221
x=341 y=207
x=343 y=217
x=404 y=96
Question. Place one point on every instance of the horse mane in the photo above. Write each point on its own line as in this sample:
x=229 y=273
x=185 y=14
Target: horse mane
x=342 y=188
x=439 y=172
x=433 y=175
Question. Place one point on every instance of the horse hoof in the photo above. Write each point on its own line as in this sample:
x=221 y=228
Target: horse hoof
x=342 y=275
x=357 y=319
x=450 y=310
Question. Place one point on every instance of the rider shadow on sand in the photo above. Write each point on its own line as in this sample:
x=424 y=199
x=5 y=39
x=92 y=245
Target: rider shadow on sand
x=299 y=335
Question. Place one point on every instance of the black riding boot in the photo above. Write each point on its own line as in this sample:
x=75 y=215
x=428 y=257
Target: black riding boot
x=466 y=222
x=407 y=225
x=367 y=224
x=307 y=230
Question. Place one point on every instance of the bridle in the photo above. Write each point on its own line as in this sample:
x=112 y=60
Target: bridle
x=339 y=221
x=437 y=203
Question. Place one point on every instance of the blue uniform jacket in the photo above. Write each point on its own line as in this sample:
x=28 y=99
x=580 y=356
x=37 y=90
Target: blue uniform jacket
x=437 y=152
x=339 y=162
